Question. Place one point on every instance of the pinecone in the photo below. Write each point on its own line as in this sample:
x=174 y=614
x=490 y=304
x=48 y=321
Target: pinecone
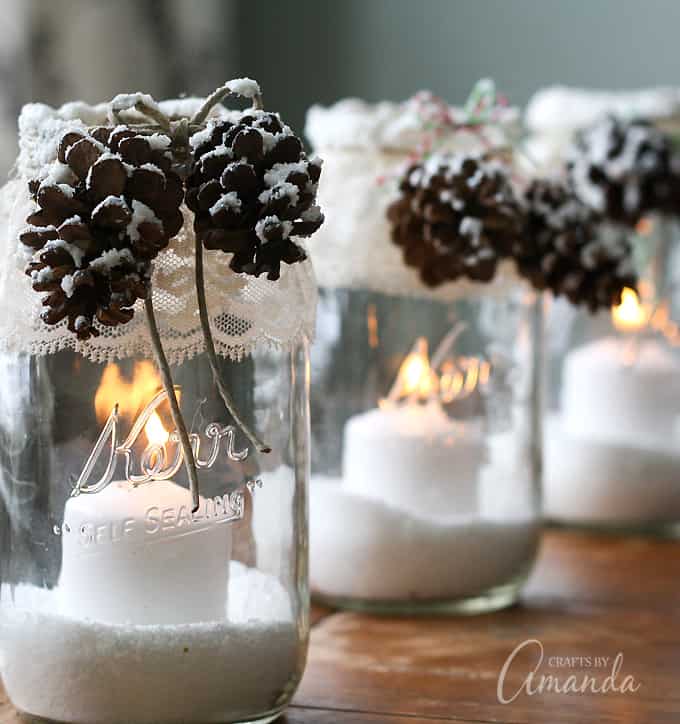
x=252 y=189
x=106 y=208
x=456 y=216
x=568 y=251
x=625 y=169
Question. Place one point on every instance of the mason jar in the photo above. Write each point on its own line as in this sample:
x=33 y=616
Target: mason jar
x=426 y=426
x=613 y=408
x=122 y=598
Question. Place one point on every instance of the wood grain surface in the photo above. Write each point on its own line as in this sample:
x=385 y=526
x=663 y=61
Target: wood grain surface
x=590 y=599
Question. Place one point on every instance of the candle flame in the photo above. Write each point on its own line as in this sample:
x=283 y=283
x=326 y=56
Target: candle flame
x=644 y=227
x=130 y=395
x=372 y=325
x=630 y=315
x=417 y=380
x=155 y=432
x=415 y=371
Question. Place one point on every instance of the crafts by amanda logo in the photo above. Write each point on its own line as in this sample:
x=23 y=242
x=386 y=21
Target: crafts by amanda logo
x=530 y=671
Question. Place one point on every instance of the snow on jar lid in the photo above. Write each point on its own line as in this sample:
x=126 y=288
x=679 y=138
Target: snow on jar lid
x=554 y=114
x=562 y=108
x=415 y=123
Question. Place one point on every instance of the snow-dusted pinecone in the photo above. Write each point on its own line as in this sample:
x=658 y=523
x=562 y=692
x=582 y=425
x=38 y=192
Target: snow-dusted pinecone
x=252 y=190
x=568 y=251
x=456 y=216
x=625 y=169
x=106 y=207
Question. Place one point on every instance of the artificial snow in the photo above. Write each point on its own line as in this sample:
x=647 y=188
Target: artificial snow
x=69 y=669
x=354 y=123
x=279 y=172
x=67 y=285
x=58 y=173
x=246 y=87
x=202 y=136
x=46 y=274
x=141 y=213
x=158 y=141
x=437 y=557
x=561 y=107
x=111 y=259
x=260 y=227
x=270 y=140
x=109 y=201
x=470 y=226
x=281 y=190
x=218 y=152
x=153 y=168
x=125 y=101
x=230 y=201
x=76 y=253
x=103 y=157
x=556 y=113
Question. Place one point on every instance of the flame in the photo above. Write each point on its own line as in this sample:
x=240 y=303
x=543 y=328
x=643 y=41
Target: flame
x=630 y=315
x=418 y=380
x=415 y=372
x=372 y=324
x=131 y=397
x=155 y=432
x=644 y=227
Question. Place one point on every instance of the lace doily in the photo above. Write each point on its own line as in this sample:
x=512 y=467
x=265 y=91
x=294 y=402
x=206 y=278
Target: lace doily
x=245 y=311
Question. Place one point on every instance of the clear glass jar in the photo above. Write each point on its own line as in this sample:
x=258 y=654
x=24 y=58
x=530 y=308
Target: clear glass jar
x=613 y=419
x=118 y=604
x=425 y=488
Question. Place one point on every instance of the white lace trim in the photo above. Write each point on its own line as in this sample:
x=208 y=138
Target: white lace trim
x=245 y=312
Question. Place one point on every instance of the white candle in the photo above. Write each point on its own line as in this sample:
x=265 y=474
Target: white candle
x=611 y=455
x=137 y=555
x=621 y=389
x=415 y=457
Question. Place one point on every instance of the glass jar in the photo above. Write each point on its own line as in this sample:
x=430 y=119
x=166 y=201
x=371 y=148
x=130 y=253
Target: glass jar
x=119 y=604
x=613 y=417
x=425 y=487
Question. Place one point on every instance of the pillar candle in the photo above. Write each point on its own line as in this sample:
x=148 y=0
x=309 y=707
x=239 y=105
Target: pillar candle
x=611 y=454
x=137 y=555
x=414 y=457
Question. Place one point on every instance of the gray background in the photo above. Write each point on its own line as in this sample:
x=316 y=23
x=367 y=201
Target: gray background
x=307 y=51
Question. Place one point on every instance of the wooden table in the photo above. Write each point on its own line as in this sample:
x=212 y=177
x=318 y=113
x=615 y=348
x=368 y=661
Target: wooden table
x=590 y=596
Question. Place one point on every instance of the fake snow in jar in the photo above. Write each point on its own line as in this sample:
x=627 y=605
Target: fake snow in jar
x=144 y=439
